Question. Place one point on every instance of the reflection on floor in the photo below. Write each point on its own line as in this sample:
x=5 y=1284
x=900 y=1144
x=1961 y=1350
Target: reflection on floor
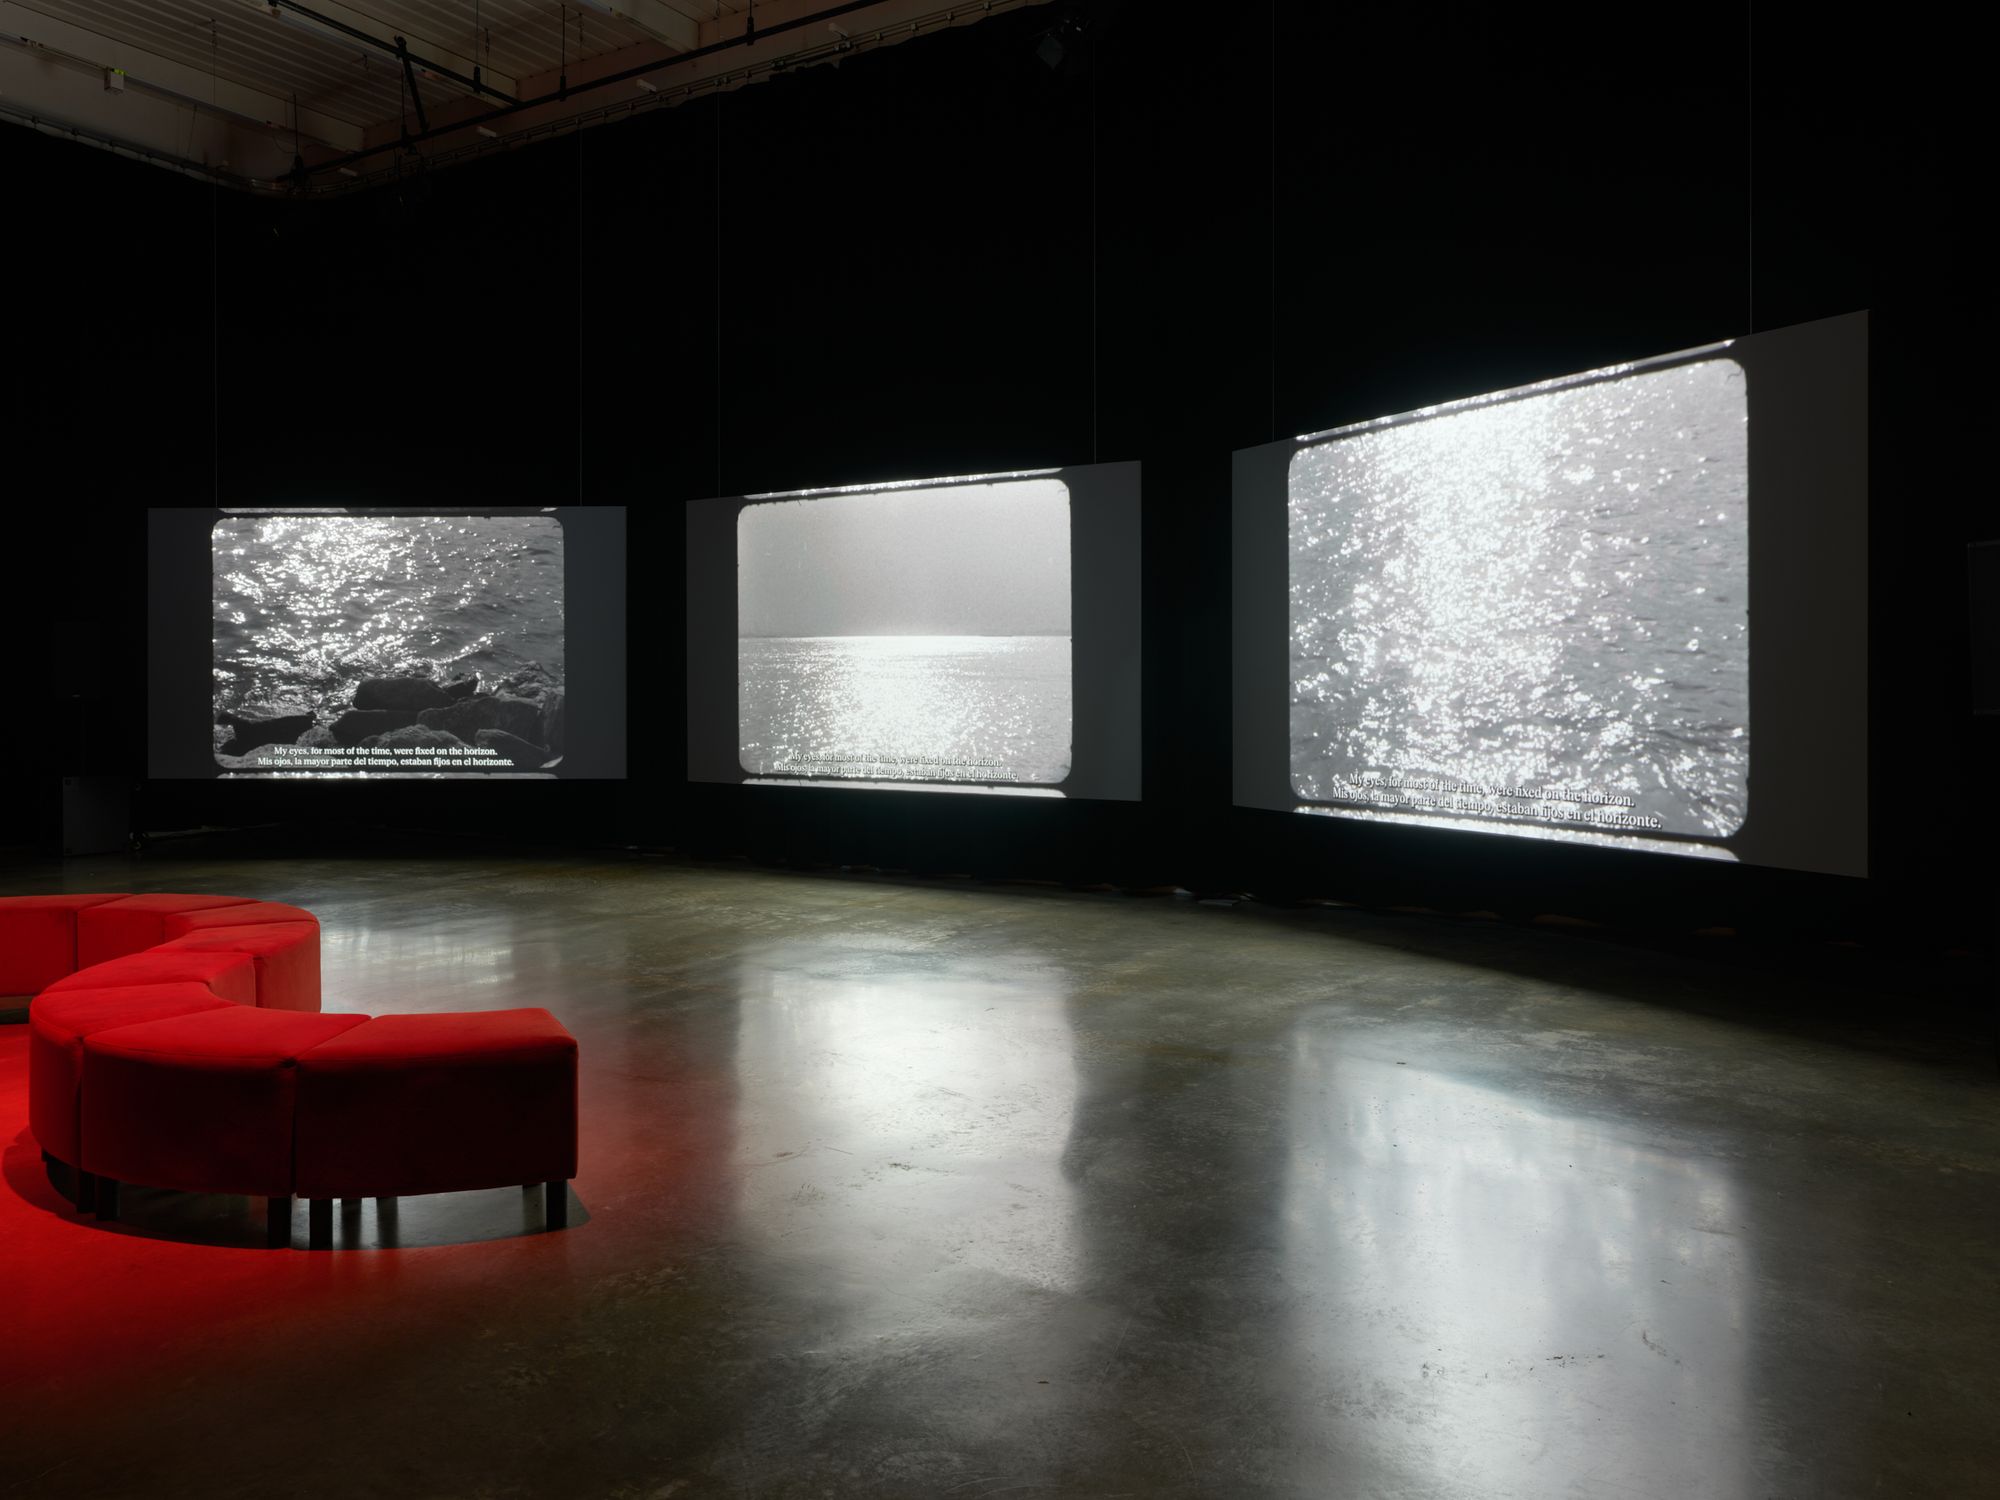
x=939 y=1190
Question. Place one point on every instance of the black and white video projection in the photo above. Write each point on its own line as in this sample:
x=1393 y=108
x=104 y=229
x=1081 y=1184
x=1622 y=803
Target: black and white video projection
x=358 y=643
x=974 y=634
x=1531 y=612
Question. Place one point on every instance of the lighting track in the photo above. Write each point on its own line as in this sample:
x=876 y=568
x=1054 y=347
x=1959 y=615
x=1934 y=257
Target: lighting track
x=560 y=94
x=395 y=47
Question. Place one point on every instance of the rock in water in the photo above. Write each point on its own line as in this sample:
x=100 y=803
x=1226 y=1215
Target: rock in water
x=400 y=694
x=462 y=687
x=265 y=726
x=530 y=681
x=515 y=715
x=415 y=737
x=320 y=737
x=352 y=728
x=463 y=718
x=512 y=748
x=519 y=716
x=552 y=720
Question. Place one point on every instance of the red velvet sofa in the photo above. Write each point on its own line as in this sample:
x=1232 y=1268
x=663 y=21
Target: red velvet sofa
x=177 y=1041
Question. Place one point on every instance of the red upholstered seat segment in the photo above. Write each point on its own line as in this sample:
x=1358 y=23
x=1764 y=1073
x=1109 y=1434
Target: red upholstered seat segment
x=230 y=974
x=57 y=1025
x=180 y=923
x=38 y=939
x=286 y=955
x=201 y=1102
x=132 y=924
x=437 y=1103
x=176 y=1042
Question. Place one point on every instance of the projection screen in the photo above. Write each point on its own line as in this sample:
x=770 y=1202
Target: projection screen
x=975 y=635
x=364 y=642
x=1531 y=612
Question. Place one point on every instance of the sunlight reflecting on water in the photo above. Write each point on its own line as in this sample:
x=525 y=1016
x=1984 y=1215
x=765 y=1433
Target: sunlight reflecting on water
x=307 y=606
x=1544 y=598
x=920 y=707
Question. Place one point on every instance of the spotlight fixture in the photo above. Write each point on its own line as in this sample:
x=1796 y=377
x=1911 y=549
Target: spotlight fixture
x=646 y=86
x=1064 y=40
x=489 y=132
x=313 y=24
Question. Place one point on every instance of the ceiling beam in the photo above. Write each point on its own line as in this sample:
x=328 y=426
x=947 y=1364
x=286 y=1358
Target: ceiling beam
x=68 y=100
x=801 y=31
x=659 y=21
x=196 y=87
x=383 y=35
x=769 y=13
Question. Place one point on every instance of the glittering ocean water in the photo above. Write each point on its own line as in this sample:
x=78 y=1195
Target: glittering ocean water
x=307 y=606
x=1547 y=596
x=905 y=707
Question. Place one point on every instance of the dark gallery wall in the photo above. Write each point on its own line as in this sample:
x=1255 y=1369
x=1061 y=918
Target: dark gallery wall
x=106 y=394
x=947 y=257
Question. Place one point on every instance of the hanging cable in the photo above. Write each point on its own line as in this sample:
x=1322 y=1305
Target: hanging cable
x=368 y=39
x=651 y=66
x=214 y=292
x=719 y=295
x=579 y=312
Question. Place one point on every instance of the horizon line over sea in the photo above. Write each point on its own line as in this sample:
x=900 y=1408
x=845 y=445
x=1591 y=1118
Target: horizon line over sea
x=986 y=708
x=915 y=635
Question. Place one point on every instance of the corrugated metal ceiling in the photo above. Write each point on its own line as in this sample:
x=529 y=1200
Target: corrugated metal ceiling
x=246 y=44
x=275 y=94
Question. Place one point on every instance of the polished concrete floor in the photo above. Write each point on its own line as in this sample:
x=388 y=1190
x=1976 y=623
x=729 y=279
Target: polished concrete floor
x=955 y=1191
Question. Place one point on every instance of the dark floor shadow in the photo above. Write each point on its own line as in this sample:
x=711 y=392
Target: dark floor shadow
x=433 y=1220
x=235 y=1221
x=1924 y=1011
x=21 y=1168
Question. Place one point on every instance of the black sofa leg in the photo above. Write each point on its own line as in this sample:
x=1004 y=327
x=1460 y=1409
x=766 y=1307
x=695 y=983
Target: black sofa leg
x=86 y=1191
x=319 y=1223
x=555 y=1204
x=278 y=1223
x=107 y=1198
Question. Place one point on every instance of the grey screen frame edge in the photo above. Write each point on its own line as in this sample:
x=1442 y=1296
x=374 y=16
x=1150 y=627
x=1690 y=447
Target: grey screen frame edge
x=1809 y=443
x=180 y=602
x=1105 y=520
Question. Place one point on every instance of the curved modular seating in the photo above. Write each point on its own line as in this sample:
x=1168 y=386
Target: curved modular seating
x=177 y=1041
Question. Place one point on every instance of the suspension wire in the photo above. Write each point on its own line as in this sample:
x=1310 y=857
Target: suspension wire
x=214 y=283
x=718 y=294
x=579 y=317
